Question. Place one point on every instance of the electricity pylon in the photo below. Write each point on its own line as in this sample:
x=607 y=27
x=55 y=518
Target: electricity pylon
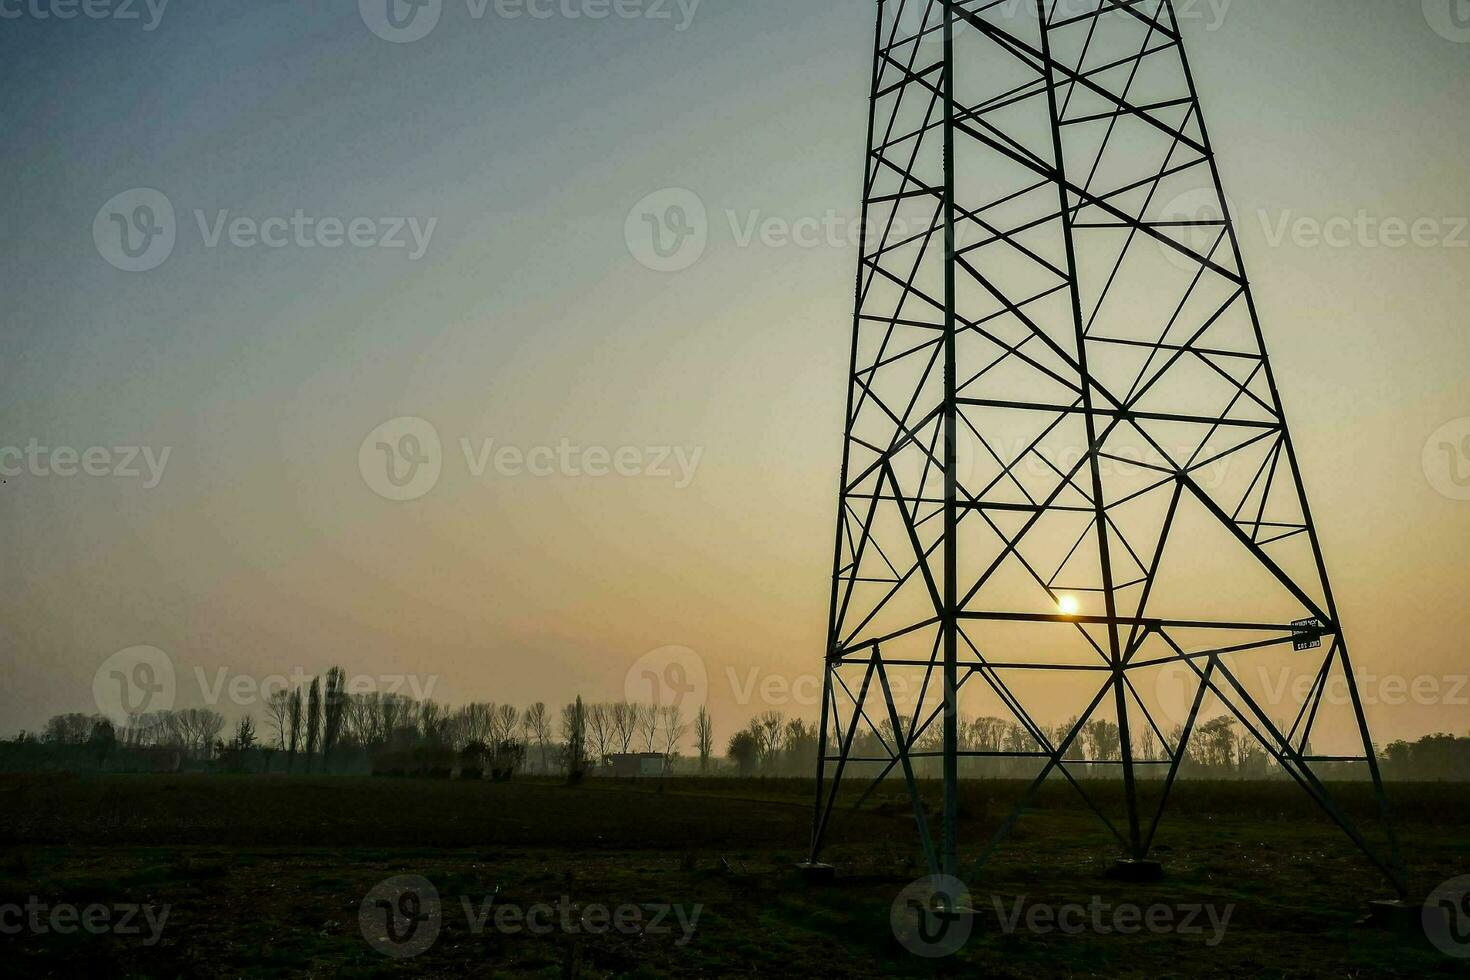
x=1067 y=482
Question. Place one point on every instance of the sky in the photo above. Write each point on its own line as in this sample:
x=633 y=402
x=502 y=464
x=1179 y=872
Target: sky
x=369 y=229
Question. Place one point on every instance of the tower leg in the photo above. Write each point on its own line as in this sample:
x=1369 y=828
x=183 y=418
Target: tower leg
x=816 y=841
x=949 y=857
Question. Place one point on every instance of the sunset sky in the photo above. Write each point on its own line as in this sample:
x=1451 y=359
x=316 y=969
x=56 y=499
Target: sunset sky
x=518 y=147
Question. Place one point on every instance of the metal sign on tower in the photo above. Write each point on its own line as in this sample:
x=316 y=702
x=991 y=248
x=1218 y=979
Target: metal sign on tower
x=1068 y=489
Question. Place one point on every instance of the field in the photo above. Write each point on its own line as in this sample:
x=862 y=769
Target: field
x=267 y=876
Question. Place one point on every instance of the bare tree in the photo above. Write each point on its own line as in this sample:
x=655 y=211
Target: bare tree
x=986 y=734
x=476 y=723
x=277 y=710
x=1248 y=752
x=1017 y=739
x=147 y=728
x=193 y=730
x=362 y=716
x=704 y=737
x=506 y=720
x=647 y=716
x=767 y=729
x=433 y=722
x=334 y=703
x=1149 y=745
x=313 y=720
x=673 y=728
x=181 y=724
x=538 y=723
x=600 y=734
x=68 y=729
x=574 y=734
x=393 y=713
x=624 y=724
x=450 y=728
x=208 y=724
x=244 y=738
x=799 y=745
x=294 y=720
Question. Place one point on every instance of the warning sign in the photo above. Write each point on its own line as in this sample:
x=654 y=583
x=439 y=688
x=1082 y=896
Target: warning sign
x=1306 y=634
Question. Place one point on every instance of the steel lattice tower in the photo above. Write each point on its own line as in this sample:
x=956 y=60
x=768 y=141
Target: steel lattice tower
x=1067 y=475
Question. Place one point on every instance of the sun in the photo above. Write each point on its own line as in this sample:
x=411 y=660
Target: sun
x=1069 y=605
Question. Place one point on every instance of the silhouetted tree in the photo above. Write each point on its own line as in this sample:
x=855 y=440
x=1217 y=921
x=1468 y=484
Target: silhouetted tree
x=295 y=719
x=574 y=735
x=334 y=705
x=744 y=751
x=538 y=723
x=505 y=721
x=102 y=741
x=1149 y=744
x=476 y=723
x=672 y=729
x=196 y=730
x=799 y=751
x=509 y=756
x=624 y=724
x=360 y=723
x=1212 y=745
x=704 y=737
x=765 y=730
x=313 y=720
x=73 y=728
x=647 y=715
x=1440 y=757
x=1076 y=751
x=244 y=739
x=277 y=715
x=472 y=760
x=1103 y=740
x=600 y=733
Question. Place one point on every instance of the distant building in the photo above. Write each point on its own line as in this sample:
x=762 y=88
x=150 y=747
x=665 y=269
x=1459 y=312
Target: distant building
x=635 y=764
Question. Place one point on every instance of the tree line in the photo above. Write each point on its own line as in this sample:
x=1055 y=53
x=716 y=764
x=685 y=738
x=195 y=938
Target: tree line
x=321 y=727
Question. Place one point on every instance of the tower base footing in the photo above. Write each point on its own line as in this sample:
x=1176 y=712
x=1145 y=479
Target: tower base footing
x=1136 y=871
